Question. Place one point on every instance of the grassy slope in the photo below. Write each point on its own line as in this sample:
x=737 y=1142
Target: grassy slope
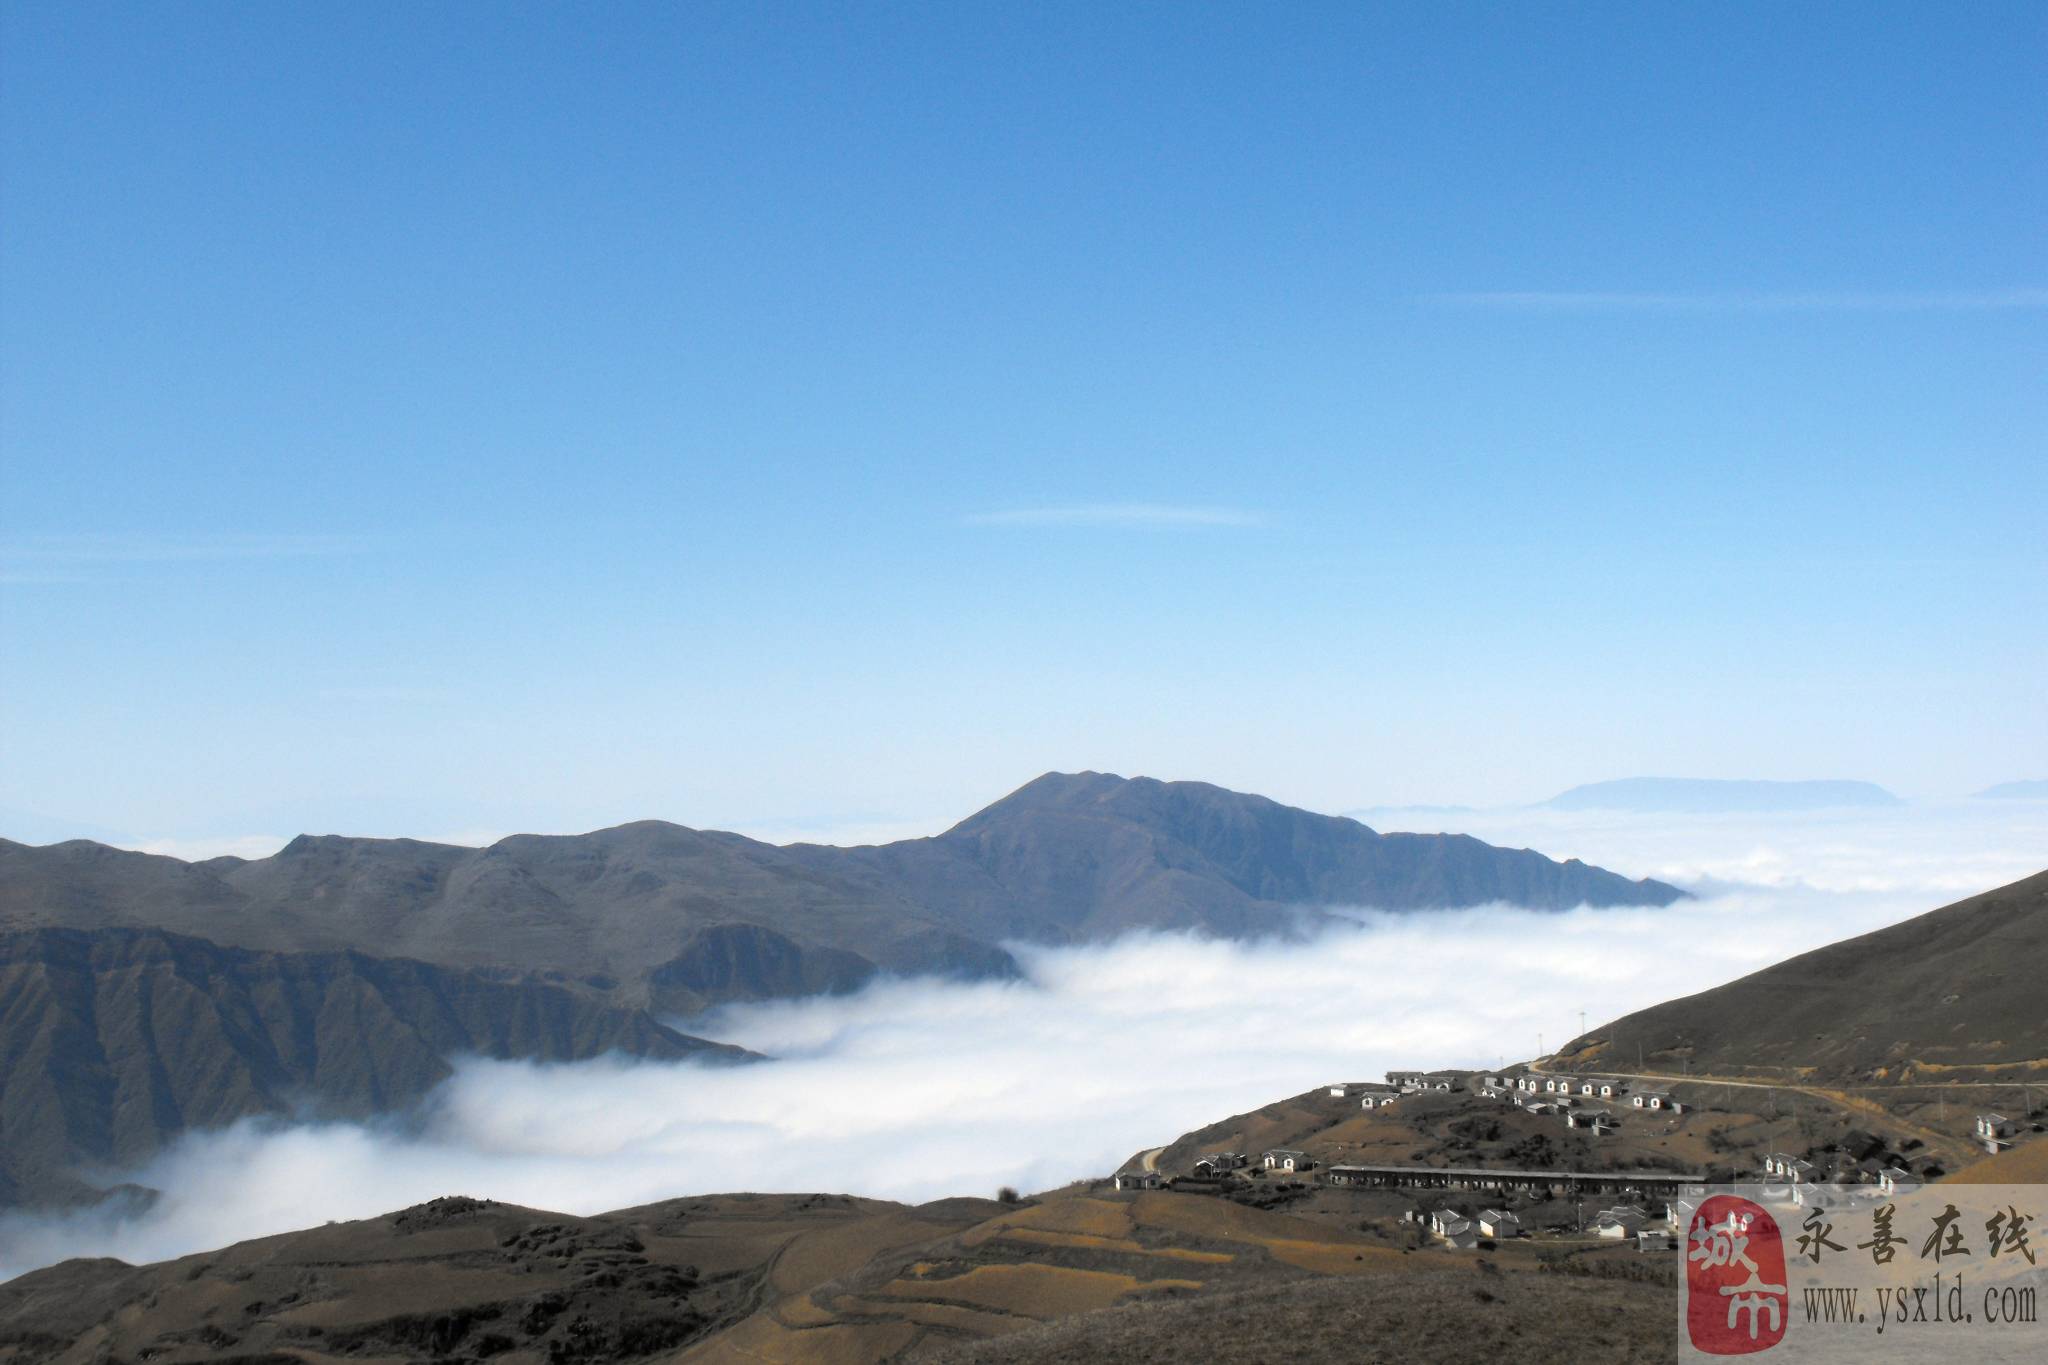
x=1951 y=994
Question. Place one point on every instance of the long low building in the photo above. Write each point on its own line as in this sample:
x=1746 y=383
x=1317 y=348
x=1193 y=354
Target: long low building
x=1487 y=1178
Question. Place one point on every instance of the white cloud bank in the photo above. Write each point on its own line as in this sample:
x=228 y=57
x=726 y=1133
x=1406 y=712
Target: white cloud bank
x=915 y=1090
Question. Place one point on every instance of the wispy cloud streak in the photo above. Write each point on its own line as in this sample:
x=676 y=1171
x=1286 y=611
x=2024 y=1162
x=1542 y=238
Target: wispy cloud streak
x=1113 y=514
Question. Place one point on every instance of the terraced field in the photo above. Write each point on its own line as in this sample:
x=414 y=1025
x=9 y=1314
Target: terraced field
x=1069 y=1254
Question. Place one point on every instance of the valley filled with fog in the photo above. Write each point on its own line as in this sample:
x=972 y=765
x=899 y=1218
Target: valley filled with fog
x=915 y=1089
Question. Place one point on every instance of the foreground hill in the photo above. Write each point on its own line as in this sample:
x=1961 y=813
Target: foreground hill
x=113 y=1041
x=678 y=919
x=1954 y=994
x=1714 y=796
x=743 y=1278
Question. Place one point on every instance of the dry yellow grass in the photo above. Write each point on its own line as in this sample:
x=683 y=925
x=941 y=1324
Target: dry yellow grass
x=1036 y=1291
x=950 y=1315
x=373 y=1293
x=1297 y=1241
x=1040 y=1237
x=811 y=1258
x=1078 y=1214
x=1336 y=1258
x=801 y=1310
x=2026 y=1164
x=761 y=1338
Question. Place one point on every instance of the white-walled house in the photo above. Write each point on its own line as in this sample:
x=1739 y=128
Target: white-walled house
x=1286 y=1159
x=1596 y=1121
x=1995 y=1131
x=1455 y=1228
x=1807 y=1194
x=1138 y=1180
x=1499 y=1223
x=1378 y=1098
x=1896 y=1180
x=1218 y=1163
x=1621 y=1221
x=1427 y=1080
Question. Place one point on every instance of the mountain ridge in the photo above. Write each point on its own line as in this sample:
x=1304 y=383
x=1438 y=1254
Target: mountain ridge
x=116 y=1040
x=657 y=914
x=1954 y=992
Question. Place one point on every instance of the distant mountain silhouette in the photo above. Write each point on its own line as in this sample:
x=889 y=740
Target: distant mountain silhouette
x=1713 y=796
x=1958 y=989
x=116 y=1040
x=2016 y=791
x=677 y=919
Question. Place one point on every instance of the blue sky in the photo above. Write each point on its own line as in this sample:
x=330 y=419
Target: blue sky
x=468 y=418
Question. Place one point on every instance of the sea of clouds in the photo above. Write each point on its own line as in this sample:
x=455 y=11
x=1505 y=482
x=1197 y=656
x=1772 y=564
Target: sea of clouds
x=919 y=1089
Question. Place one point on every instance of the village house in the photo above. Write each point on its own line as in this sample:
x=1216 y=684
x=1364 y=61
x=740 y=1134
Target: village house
x=1654 y=1099
x=1138 y=1180
x=1427 y=1080
x=1499 y=1223
x=1778 y=1164
x=1454 y=1228
x=1376 y=1096
x=1655 y=1239
x=1214 y=1164
x=1558 y=1085
x=1809 y=1195
x=1598 y=1122
x=1620 y=1222
x=1609 y=1089
x=1530 y=1084
x=1995 y=1132
x=1897 y=1180
x=1286 y=1159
